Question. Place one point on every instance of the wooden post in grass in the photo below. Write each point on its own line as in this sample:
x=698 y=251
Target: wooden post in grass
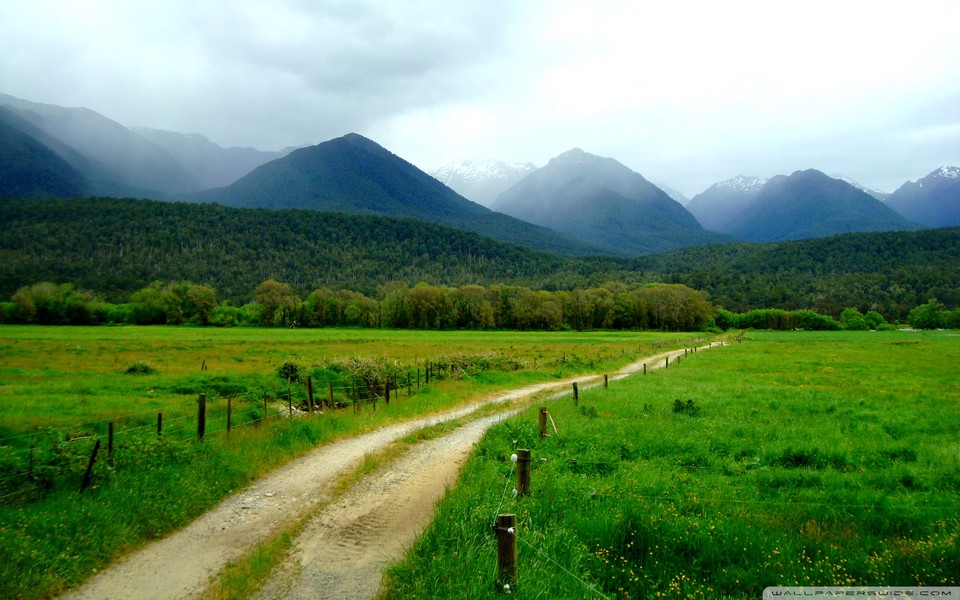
x=310 y=393
x=523 y=472
x=89 y=474
x=229 y=413
x=426 y=374
x=606 y=380
x=201 y=415
x=543 y=421
x=576 y=394
x=386 y=391
x=159 y=425
x=110 y=440
x=418 y=378
x=289 y=402
x=644 y=368
x=506 y=553
x=666 y=362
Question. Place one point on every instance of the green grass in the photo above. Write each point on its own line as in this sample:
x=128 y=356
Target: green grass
x=790 y=459
x=60 y=386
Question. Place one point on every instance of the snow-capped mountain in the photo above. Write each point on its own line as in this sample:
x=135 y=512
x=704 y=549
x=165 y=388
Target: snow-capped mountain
x=482 y=180
x=722 y=201
x=933 y=200
x=881 y=196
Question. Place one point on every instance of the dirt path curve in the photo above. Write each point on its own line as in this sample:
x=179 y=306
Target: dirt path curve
x=344 y=548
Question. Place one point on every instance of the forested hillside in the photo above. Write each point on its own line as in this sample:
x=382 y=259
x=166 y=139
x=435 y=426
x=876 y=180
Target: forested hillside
x=890 y=272
x=115 y=247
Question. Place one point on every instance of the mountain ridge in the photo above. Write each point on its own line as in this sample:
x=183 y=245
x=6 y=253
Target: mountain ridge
x=600 y=200
x=354 y=174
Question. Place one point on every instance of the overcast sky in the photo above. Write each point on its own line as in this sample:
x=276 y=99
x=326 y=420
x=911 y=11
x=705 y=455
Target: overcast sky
x=685 y=93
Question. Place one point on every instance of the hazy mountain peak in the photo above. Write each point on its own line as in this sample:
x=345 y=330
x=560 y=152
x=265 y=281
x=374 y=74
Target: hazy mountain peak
x=932 y=200
x=741 y=183
x=947 y=173
x=574 y=156
x=481 y=180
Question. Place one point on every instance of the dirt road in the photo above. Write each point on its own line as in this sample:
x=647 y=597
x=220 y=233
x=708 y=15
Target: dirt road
x=343 y=549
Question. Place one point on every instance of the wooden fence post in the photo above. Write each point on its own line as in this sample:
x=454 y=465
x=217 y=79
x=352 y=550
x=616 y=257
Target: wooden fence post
x=606 y=381
x=523 y=472
x=386 y=391
x=543 y=421
x=644 y=368
x=159 y=425
x=89 y=474
x=201 y=415
x=576 y=394
x=666 y=362
x=310 y=393
x=506 y=553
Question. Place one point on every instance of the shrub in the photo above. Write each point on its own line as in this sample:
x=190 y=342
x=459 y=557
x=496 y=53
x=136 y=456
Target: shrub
x=141 y=367
x=291 y=371
x=686 y=408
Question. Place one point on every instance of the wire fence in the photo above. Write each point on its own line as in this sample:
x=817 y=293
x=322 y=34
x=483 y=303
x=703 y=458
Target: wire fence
x=514 y=502
x=51 y=457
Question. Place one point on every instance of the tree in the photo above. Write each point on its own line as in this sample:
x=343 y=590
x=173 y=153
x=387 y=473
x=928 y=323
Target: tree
x=927 y=316
x=853 y=320
x=277 y=302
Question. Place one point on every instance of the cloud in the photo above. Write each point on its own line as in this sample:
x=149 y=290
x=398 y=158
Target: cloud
x=685 y=92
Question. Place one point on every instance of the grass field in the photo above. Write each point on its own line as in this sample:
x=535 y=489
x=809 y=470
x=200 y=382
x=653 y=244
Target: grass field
x=60 y=387
x=789 y=459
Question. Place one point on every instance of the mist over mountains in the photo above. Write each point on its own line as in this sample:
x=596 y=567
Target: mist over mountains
x=482 y=180
x=578 y=204
x=602 y=201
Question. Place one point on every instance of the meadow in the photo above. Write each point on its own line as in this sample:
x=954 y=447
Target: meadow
x=61 y=388
x=793 y=458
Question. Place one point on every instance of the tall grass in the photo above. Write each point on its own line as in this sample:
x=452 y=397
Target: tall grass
x=59 y=387
x=790 y=459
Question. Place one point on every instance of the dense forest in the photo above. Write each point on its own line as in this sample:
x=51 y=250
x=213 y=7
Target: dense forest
x=118 y=247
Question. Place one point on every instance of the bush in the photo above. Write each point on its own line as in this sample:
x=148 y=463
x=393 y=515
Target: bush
x=291 y=371
x=141 y=367
x=686 y=408
x=927 y=316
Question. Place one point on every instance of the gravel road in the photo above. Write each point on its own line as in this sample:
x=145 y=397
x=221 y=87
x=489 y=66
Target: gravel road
x=344 y=547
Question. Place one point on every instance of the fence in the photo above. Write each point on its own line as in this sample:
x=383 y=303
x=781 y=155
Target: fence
x=50 y=458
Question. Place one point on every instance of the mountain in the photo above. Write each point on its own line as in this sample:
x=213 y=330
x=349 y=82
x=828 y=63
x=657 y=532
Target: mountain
x=355 y=175
x=133 y=161
x=933 y=200
x=677 y=195
x=809 y=204
x=881 y=196
x=481 y=180
x=600 y=200
x=28 y=169
x=210 y=164
x=721 y=202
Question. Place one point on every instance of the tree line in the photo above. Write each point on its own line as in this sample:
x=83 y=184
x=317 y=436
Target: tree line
x=664 y=307
x=119 y=246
